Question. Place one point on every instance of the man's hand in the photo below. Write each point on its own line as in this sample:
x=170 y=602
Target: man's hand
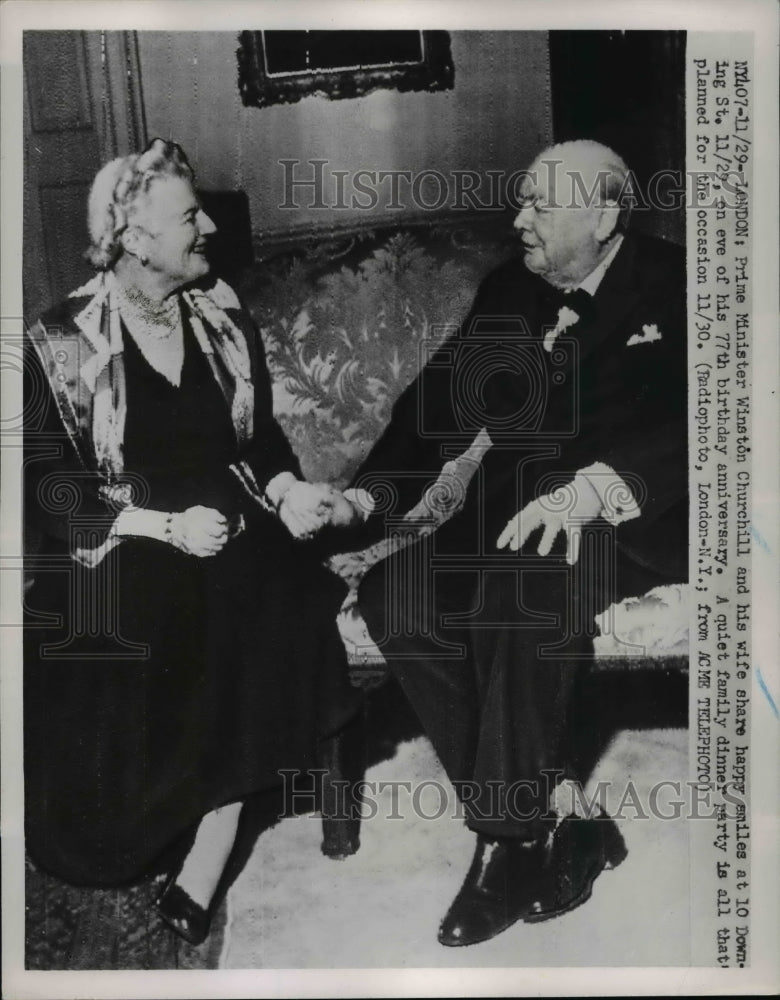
x=567 y=509
x=305 y=508
x=343 y=513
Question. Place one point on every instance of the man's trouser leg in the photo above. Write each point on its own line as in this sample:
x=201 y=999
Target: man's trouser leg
x=431 y=664
x=498 y=715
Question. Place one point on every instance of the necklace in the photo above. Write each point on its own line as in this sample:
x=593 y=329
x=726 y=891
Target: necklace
x=156 y=329
x=150 y=319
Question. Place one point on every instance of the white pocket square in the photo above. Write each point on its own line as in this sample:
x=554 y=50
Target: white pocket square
x=650 y=332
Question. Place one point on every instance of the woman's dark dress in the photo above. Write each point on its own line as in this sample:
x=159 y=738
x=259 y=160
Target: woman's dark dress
x=237 y=654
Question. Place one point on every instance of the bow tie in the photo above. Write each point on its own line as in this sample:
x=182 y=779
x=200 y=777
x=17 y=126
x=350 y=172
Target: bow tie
x=578 y=300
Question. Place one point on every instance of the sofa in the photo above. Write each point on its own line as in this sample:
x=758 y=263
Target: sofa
x=346 y=319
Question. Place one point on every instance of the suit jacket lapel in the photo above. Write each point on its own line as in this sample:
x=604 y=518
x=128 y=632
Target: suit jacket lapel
x=616 y=296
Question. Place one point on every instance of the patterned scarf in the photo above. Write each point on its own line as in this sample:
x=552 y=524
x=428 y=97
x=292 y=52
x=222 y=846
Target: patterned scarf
x=87 y=374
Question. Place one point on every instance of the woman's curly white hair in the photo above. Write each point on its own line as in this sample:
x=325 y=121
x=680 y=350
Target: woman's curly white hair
x=115 y=190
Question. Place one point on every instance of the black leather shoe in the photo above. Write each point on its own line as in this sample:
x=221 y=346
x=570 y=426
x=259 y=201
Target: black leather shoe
x=182 y=913
x=580 y=850
x=500 y=888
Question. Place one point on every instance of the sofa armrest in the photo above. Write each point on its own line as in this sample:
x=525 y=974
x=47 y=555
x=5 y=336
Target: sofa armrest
x=439 y=503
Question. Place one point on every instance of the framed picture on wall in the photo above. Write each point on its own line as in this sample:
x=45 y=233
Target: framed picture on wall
x=281 y=67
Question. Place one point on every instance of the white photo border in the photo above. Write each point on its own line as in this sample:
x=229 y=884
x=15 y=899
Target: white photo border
x=749 y=15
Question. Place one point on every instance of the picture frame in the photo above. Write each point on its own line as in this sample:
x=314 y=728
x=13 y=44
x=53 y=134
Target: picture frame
x=260 y=88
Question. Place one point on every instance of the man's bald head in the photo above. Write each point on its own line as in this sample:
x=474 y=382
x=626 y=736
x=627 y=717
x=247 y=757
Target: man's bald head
x=584 y=172
x=571 y=213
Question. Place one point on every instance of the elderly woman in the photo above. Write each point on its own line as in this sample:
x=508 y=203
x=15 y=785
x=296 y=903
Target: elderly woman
x=181 y=646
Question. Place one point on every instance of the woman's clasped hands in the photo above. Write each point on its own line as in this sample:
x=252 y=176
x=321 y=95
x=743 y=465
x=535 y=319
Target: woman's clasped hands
x=304 y=509
x=198 y=531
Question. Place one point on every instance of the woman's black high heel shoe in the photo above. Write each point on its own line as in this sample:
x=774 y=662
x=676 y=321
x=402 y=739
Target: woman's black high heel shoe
x=182 y=913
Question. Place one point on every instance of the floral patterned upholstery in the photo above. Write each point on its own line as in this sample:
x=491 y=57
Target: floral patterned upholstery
x=346 y=321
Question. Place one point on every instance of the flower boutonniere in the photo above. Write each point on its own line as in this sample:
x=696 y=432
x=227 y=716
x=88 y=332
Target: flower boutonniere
x=650 y=332
x=566 y=318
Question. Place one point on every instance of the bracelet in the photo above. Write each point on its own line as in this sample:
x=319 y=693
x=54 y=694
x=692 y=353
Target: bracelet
x=175 y=535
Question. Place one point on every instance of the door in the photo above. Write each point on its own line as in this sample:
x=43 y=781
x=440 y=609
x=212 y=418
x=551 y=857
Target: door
x=82 y=106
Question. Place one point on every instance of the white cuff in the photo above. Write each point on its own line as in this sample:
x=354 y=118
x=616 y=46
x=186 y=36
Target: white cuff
x=132 y=521
x=361 y=500
x=140 y=522
x=618 y=503
x=278 y=486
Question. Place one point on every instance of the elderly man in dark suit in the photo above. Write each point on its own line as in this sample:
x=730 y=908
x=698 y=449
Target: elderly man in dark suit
x=574 y=360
